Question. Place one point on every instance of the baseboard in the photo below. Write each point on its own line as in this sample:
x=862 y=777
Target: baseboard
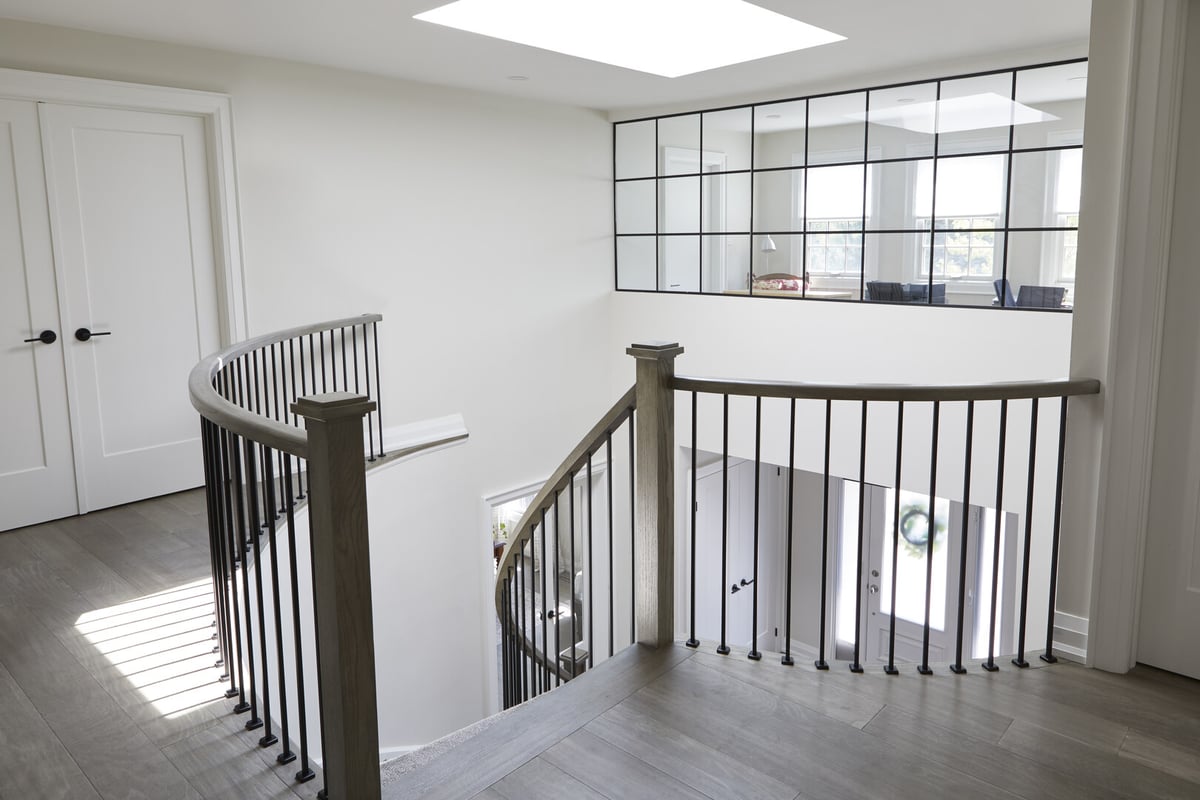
x=1070 y=636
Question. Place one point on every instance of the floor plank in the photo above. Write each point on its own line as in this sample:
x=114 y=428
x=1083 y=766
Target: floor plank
x=613 y=771
x=541 y=780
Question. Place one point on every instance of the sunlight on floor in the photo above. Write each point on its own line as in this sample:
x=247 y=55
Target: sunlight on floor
x=162 y=644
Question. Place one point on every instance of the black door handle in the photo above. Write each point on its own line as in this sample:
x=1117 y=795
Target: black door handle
x=83 y=334
x=45 y=337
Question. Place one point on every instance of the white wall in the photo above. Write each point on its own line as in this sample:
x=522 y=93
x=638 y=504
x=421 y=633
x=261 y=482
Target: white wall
x=479 y=226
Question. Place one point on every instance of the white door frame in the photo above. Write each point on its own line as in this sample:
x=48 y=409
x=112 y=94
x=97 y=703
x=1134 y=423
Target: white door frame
x=216 y=110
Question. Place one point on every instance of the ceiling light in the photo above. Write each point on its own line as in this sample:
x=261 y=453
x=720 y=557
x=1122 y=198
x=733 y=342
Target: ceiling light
x=662 y=37
x=956 y=114
x=774 y=116
x=518 y=77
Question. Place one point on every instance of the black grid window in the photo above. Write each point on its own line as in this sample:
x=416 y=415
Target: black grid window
x=959 y=191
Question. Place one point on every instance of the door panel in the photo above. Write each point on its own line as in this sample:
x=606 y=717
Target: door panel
x=132 y=221
x=37 y=477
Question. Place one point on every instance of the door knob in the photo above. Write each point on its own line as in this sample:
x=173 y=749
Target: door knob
x=45 y=337
x=83 y=334
x=873 y=588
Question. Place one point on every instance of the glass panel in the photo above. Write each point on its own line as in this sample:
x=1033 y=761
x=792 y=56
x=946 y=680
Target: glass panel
x=1041 y=267
x=971 y=251
x=636 y=262
x=987 y=561
x=635 y=149
x=779 y=200
x=779 y=135
x=679 y=264
x=679 y=205
x=835 y=194
x=898 y=198
x=837 y=128
x=679 y=141
x=893 y=273
x=728 y=132
x=912 y=558
x=974 y=114
x=1045 y=187
x=966 y=187
x=1058 y=94
x=724 y=263
x=778 y=263
x=833 y=256
x=726 y=200
x=902 y=121
x=847 y=563
x=635 y=207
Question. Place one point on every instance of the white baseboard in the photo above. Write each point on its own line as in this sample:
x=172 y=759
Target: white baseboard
x=1070 y=636
x=422 y=437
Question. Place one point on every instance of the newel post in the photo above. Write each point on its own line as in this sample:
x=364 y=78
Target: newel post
x=342 y=588
x=654 y=502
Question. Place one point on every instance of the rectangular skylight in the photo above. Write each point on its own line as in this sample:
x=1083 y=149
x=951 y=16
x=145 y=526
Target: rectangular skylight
x=662 y=37
x=955 y=114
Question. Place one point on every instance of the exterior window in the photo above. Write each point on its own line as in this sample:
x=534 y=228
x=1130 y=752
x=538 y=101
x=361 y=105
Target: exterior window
x=964 y=248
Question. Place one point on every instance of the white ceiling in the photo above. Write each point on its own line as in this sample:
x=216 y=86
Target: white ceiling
x=380 y=36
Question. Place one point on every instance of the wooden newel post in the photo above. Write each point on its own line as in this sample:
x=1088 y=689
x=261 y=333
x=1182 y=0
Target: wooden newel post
x=654 y=503
x=342 y=587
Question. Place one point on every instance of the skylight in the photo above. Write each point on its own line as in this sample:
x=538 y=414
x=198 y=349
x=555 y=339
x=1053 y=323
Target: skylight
x=956 y=114
x=663 y=37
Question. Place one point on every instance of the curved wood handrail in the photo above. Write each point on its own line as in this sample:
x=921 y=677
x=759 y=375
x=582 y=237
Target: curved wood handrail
x=1015 y=390
x=215 y=408
x=544 y=500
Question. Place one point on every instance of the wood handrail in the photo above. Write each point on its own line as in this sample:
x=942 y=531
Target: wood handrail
x=212 y=406
x=885 y=392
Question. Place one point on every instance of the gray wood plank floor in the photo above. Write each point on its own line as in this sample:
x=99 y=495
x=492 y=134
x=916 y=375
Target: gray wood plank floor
x=107 y=680
x=693 y=724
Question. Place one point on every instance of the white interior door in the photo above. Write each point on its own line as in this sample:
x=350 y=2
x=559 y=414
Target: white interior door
x=132 y=224
x=37 y=476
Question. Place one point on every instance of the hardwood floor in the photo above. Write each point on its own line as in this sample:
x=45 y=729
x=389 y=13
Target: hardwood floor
x=692 y=724
x=107 y=680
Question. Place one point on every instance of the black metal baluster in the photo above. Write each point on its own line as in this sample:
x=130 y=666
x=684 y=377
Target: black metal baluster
x=305 y=773
x=957 y=667
x=632 y=535
x=924 y=668
x=787 y=659
x=324 y=385
x=821 y=663
x=754 y=655
x=612 y=622
x=571 y=529
x=378 y=387
x=692 y=640
x=591 y=617
x=286 y=756
x=278 y=387
x=259 y=405
x=367 y=381
x=242 y=544
x=890 y=669
x=233 y=553
x=253 y=457
x=345 y=369
x=557 y=597
x=1033 y=431
x=505 y=667
x=856 y=666
x=214 y=563
x=228 y=580
x=723 y=648
x=521 y=623
x=990 y=666
x=1048 y=654
x=545 y=609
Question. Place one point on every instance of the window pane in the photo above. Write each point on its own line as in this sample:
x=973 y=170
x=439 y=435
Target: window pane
x=636 y=262
x=679 y=264
x=912 y=558
x=635 y=207
x=836 y=193
x=837 y=128
x=726 y=202
x=974 y=114
x=1045 y=187
x=902 y=121
x=969 y=187
x=1058 y=93
x=893 y=259
x=779 y=200
x=635 y=149
x=781 y=255
x=679 y=205
x=901 y=192
x=724 y=263
x=779 y=135
x=728 y=132
x=1041 y=267
x=679 y=142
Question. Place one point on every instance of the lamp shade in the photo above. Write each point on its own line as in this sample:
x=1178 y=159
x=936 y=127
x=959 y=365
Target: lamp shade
x=767 y=245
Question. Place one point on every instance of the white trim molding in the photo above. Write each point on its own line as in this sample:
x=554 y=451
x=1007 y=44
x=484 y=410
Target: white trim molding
x=1070 y=637
x=217 y=112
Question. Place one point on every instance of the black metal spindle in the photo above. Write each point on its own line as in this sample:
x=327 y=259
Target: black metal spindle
x=1033 y=431
x=228 y=581
x=253 y=458
x=931 y=538
x=591 y=560
x=1048 y=654
x=324 y=384
x=754 y=655
x=821 y=663
x=305 y=772
x=571 y=531
x=632 y=535
x=286 y=756
x=557 y=593
x=787 y=659
x=991 y=666
x=957 y=667
x=505 y=667
x=345 y=369
x=367 y=381
x=378 y=387
x=243 y=535
x=692 y=640
x=856 y=665
x=522 y=633
x=216 y=567
x=232 y=552
x=278 y=386
x=612 y=622
x=723 y=648
x=890 y=669
x=546 y=572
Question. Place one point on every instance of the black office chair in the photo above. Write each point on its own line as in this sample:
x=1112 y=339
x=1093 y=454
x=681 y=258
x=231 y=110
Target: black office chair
x=885 y=292
x=919 y=293
x=1004 y=293
x=1040 y=296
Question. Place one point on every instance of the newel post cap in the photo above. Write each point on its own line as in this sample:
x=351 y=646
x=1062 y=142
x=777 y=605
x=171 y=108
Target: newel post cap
x=333 y=405
x=661 y=351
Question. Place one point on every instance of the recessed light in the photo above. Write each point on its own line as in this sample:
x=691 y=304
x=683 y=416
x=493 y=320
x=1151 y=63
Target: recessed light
x=518 y=77
x=774 y=116
x=662 y=37
x=906 y=100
